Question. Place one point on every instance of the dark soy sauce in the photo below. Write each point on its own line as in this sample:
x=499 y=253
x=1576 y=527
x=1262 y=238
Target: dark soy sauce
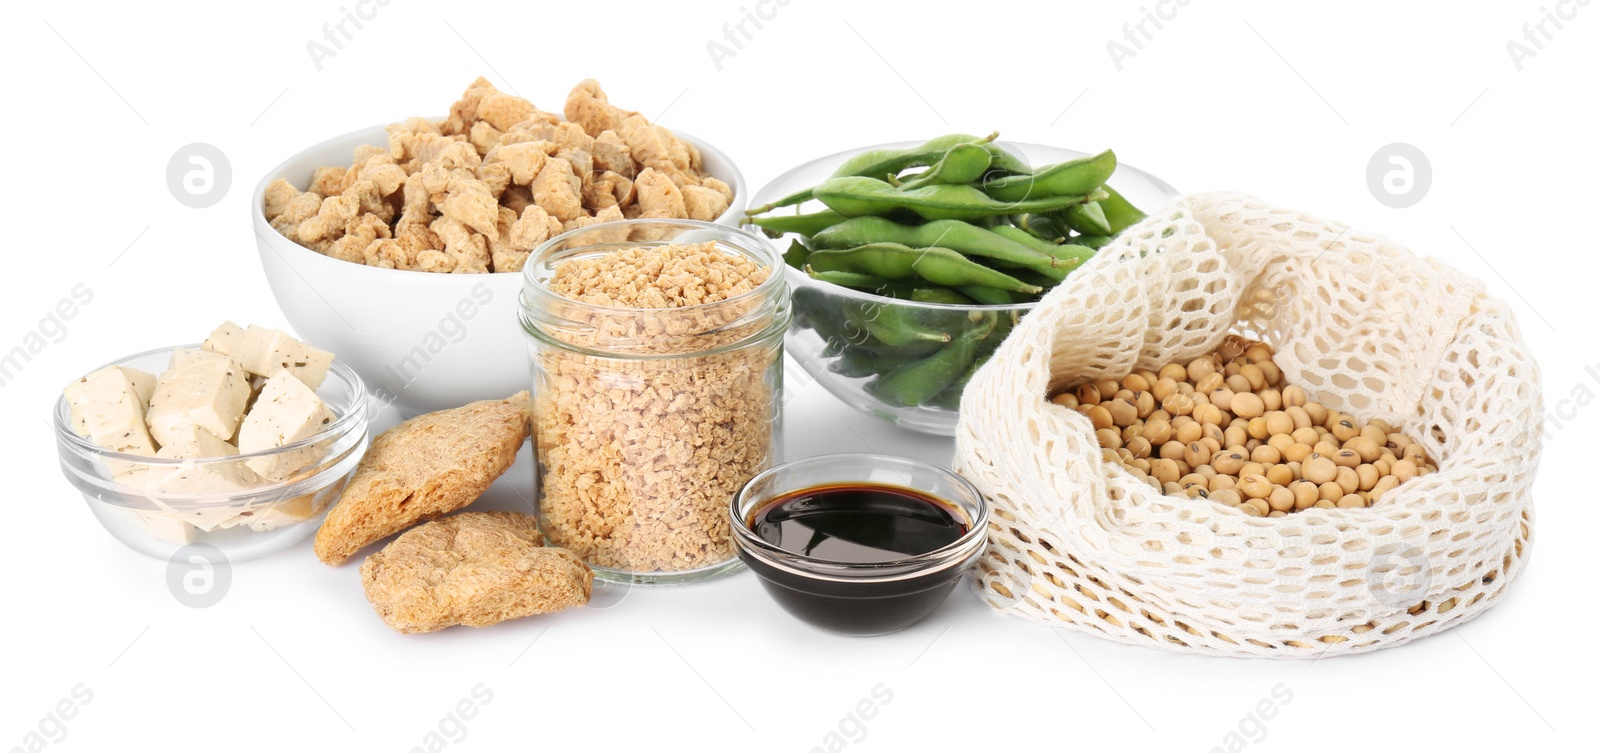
x=859 y=523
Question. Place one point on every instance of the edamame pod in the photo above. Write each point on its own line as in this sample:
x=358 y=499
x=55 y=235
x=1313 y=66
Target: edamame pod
x=810 y=312
x=803 y=303
x=1005 y=162
x=1087 y=218
x=1023 y=237
x=964 y=163
x=916 y=383
x=1043 y=227
x=800 y=224
x=944 y=296
x=1120 y=213
x=1091 y=241
x=897 y=262
x=1031 y=277
x=796 y=255
x=864 y=283
x=857 y=196
x=822 y=313
x=892 y=161
x=992 y=297
x=950 y=397
x=847 y=279
x=917 y=349
x=892 y=325
x=880 y=162
x=956 y=235
x=1068 y=255
x=1071 y=178
x=860 y=362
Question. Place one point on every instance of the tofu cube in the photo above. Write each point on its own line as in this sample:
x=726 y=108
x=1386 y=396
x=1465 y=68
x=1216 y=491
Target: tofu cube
x=208 y=519
x=287 y=411
x=269 y=351
x=108 y=409
x=183 y=358
x=143 y=382
x=227 y=339
x=162 y=484
x=212 y=518
x=194 y=442
x=207 y=392
x=287 y=512
x=211 y=477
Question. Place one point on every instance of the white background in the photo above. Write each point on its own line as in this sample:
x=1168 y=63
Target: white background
x=1287 y=103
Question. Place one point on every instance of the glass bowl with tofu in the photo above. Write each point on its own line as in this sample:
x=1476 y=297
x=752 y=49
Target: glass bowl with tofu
x=189 y=445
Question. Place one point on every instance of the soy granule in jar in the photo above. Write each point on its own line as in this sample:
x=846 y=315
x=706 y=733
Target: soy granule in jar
x=640 y=453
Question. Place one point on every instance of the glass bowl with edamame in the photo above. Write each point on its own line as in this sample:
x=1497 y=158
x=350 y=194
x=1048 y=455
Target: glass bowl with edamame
x=910 y=262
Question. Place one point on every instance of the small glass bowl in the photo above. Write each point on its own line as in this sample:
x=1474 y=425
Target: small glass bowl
x=855 y=598
x=134 y=497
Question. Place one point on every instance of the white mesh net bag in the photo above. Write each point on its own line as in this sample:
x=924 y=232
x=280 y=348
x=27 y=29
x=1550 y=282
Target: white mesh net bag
x=1362 y=324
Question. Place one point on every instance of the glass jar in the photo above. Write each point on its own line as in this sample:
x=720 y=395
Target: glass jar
x=647 y=421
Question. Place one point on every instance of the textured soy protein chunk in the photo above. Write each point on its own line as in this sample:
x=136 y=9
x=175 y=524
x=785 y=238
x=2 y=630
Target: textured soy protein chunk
x=478 y=191
x=473 y=569
x=640 y=456
x=428 y=466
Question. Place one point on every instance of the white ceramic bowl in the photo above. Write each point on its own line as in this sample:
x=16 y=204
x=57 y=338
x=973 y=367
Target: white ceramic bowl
x=422 y=340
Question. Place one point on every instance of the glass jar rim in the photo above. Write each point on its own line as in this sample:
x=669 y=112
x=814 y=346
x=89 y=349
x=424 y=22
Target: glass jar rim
x=764 y=308
x=768 y=257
